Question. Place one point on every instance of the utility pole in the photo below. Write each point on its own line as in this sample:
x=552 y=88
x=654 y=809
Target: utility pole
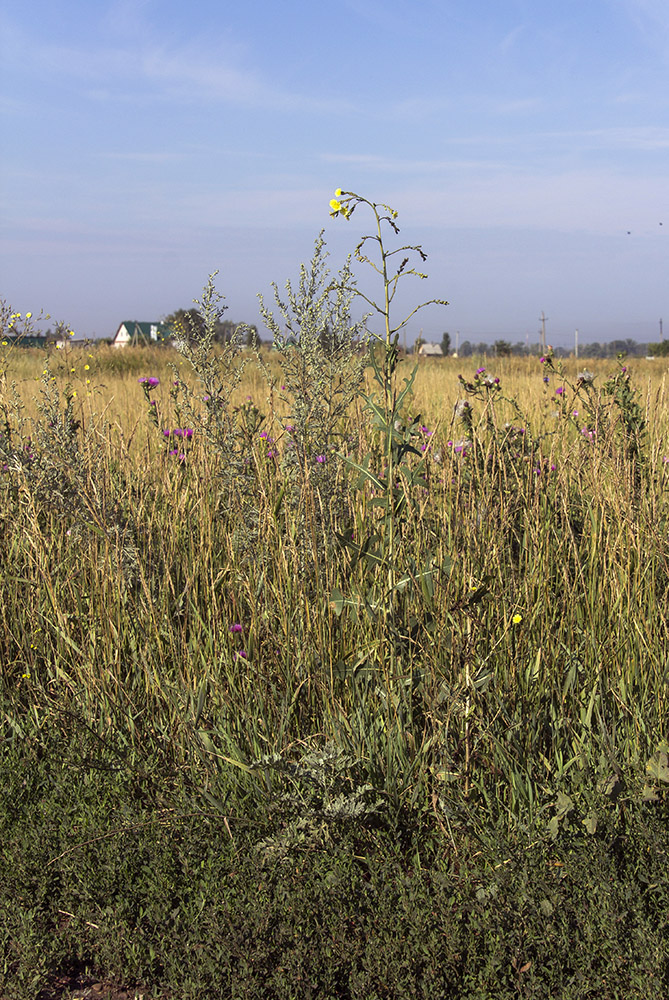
x=457 y=343
x=543 y=331
x=661 y=338
x=575 y=343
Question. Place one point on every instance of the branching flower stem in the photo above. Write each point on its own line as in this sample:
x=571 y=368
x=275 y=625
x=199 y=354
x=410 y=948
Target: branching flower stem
x=345 y=203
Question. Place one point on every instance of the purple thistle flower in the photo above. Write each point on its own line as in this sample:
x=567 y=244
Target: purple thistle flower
x=559 y=391
x=480 y=371
x=241 y=654
x=236 y=627
x=320 y=459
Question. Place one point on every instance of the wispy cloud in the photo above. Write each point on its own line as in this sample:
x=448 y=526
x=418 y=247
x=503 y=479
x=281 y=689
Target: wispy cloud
x=147 y=68
x=593 y=201
x=510 y=39
x=651 y=17
x=139 y=156
x=405 y=166
x=189 y=73
x=648 y=137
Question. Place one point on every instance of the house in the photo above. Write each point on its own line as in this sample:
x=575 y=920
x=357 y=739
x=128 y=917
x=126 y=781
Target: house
x=430 y=351
x=133 y=332
x=21 y=340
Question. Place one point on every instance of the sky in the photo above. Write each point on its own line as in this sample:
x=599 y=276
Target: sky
x=523 y=143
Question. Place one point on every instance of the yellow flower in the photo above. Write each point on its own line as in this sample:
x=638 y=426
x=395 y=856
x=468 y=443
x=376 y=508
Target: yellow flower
x=335 y=205
x=86 y=367
x=28 y=315
x=71 y=333
x=338 y=193
x=517 y=619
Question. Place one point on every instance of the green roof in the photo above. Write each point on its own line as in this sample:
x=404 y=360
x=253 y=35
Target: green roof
x=142 y=329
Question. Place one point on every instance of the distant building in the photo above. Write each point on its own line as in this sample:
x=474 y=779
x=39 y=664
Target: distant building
x=430 y=351
x=131 y=332
x=21 y=340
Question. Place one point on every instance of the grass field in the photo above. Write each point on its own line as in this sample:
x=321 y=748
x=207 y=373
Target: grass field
x=278 y=723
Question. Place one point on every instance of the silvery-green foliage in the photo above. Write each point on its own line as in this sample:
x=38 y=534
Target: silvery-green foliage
x=314 y=796
x=58 y=464
x=207 y=407
x=322 y=369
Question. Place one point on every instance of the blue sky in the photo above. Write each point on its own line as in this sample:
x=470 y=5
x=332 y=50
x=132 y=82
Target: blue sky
x=524 y=143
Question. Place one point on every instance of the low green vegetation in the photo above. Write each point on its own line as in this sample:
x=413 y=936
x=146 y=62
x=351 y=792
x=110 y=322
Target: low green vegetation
x=327 y=677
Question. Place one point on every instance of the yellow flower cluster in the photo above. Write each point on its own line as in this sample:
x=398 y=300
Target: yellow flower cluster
x=337 y=207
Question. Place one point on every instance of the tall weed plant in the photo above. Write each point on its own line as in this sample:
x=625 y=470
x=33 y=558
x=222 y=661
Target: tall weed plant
x=463 y=618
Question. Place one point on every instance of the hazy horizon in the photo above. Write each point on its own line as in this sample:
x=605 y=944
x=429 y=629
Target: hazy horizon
x=524 y=145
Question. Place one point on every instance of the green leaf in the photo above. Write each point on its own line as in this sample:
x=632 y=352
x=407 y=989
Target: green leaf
x=563 y=805
x=375 y=480
x=590 y=823
x=658 y=766
x=337 y=601
x=610 y=786
x=279 y=502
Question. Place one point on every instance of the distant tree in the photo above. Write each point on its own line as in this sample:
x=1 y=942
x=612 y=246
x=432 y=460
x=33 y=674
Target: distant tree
x=446 y=344
x=188 y=323
x=502 y=348
x=660 y=350
x=251 y=336
x=594 y=350
x=466 y=349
